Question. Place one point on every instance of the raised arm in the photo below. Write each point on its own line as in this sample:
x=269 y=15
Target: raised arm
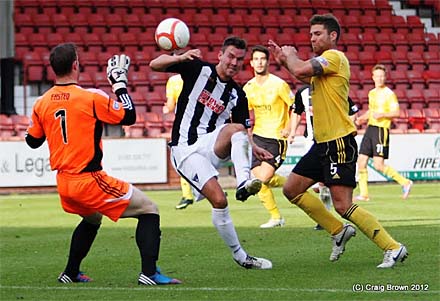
x=287 y=56
x=162 y=62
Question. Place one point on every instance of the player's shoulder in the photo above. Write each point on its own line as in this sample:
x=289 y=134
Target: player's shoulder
x=273 y=78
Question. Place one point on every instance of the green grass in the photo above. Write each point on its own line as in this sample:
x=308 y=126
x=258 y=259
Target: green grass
x=35 y=235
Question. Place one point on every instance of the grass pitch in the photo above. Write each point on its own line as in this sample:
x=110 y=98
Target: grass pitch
x=35 y=235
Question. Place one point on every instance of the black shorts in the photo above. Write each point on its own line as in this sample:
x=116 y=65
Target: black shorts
x=333 y=162
x=277 y=148
x=376 y=142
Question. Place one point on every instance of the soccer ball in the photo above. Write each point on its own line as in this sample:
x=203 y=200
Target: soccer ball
x=172 y=34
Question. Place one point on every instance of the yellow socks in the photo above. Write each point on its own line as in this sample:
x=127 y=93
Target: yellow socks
x=186 y=189
x=266 y=197
x=277 y=181
x=317 y=211
x=371 y=227
x=393 y=174
x=363 y=182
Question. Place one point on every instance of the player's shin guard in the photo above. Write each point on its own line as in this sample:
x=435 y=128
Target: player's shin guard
x=82 y=239
x=148 y=241
x=240 y=156
x=363 y=182
x=371 y=227
x=266 y=197
x=317 y=211
x=393 y=174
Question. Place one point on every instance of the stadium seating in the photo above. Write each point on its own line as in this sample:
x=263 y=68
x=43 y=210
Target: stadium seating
x=371 y=34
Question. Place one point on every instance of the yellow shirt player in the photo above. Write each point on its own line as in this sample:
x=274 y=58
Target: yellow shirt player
x=382 y=108
x=332 y=158
x=269 y=98
x=330 y=117
x=173 y=88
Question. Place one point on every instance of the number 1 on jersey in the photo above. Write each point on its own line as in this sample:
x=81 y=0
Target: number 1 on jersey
x=62 y=115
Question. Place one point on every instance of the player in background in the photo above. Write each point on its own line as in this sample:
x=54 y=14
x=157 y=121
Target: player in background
x=71 y=119
x=332 y=158
x=303 y=104
x=209 y=129
x=269 y=99
x=173 y=89
x=383 y=106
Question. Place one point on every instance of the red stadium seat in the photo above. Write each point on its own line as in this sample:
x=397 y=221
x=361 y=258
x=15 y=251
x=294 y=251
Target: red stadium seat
x=54 y=39
x=400 y=24
x=415 y=24
x=400 y=60
x=432 y=78
x=401 y=123
x=42 y=22
x=133 y=23
x=417 y=41
x=368 y=40
x=351 y=42
x=399 y=79
x=416 y=119
x=416 y=98
x=86 y=80
x=432 y=98
x=35 y=73
x=384 y=57
x=6 y=126
x=415 y=78
x=384 y=41
x=432 y=116
x=74 y=37
x=92 y=42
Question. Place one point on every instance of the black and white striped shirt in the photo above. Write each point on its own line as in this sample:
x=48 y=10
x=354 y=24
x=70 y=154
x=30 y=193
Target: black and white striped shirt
x=205 y=102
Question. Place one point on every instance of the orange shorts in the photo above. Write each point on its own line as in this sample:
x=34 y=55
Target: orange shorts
x=91 y=192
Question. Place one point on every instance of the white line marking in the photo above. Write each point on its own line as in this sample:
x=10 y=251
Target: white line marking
x=182 y=288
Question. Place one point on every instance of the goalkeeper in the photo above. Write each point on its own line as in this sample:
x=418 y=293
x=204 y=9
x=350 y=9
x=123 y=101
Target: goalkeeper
x=71 y=119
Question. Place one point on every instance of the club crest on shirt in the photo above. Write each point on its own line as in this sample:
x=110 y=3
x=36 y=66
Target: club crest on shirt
x=116 y=105
x=215 y=105
x=322 y=60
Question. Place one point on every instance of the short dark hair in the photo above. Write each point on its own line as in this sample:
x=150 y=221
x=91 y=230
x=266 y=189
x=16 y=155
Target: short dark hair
x=379 y=67
x=237 y=42
x=62 y=57
x=329 y=21
x=260 y=48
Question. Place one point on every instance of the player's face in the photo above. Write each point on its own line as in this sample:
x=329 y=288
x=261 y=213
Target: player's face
x=319 y=37
x=230 y=62
x=379 y=78
x=259 y=62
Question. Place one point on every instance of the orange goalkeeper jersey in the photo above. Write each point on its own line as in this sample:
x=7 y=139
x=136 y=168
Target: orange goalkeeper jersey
x=71 y=118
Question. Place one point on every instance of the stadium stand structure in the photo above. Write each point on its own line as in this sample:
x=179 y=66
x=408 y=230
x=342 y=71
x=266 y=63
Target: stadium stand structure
x=372 y=33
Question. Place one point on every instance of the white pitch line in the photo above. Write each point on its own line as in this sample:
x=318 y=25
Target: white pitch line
x=183 y=288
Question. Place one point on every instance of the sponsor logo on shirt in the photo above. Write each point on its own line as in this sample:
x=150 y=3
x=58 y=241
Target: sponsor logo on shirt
x=215 y=105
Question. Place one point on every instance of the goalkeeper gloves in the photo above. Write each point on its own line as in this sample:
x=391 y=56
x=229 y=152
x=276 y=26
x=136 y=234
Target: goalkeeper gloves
x=117 y=69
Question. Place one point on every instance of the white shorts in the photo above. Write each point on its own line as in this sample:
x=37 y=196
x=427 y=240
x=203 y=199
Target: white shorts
x=198 y=163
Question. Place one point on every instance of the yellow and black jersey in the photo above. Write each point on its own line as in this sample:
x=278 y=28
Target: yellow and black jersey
x=381 y=100
x=271 y=102
x=329 y=97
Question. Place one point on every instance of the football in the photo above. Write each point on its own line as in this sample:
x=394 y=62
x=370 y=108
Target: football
x=172 y=34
